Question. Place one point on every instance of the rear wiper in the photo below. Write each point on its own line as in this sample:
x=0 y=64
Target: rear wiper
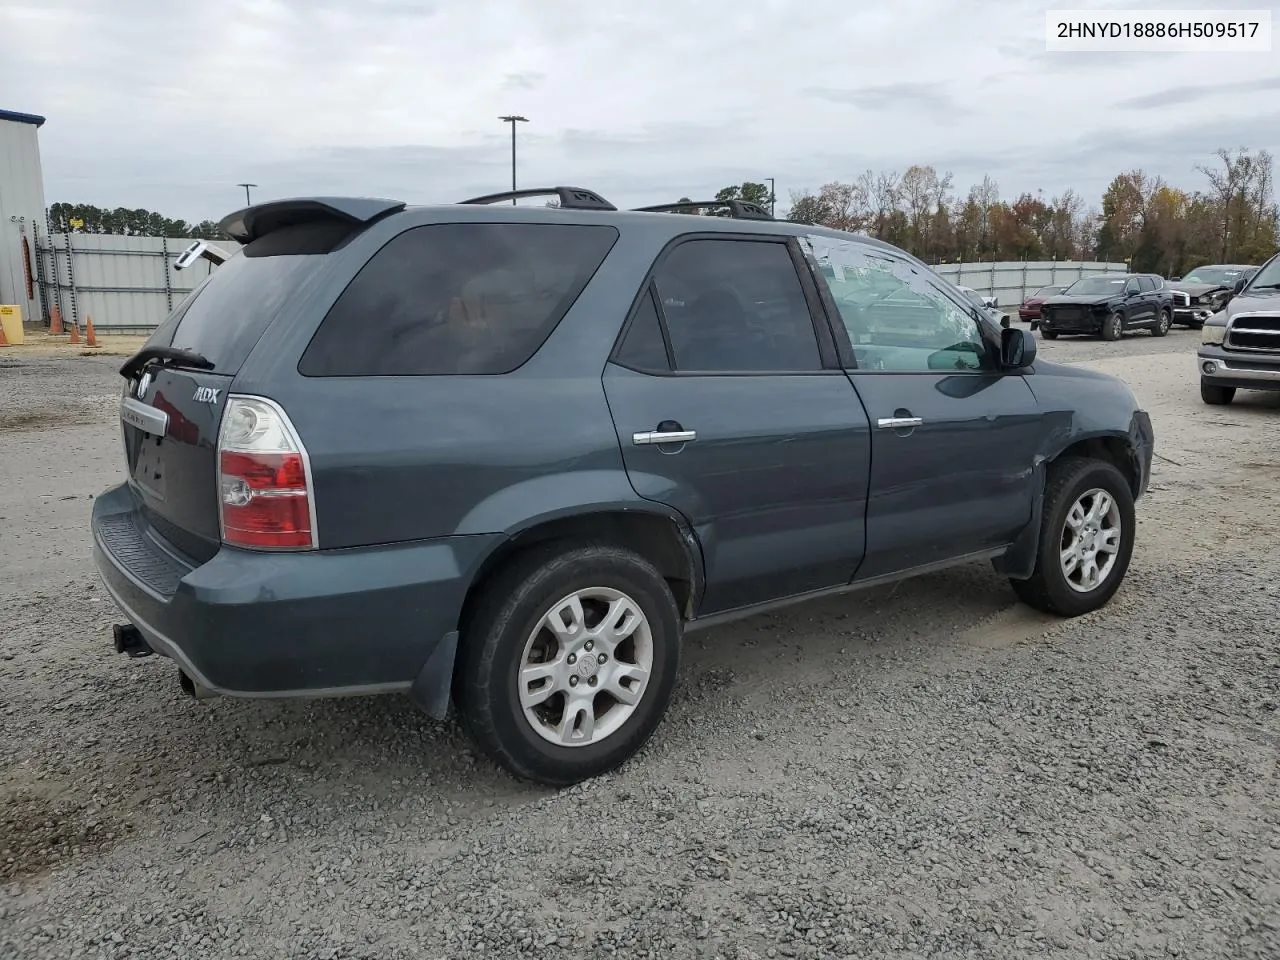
x=135 y=364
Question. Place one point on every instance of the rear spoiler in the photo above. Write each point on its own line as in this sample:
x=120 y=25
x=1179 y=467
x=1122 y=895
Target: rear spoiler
x=245 y=226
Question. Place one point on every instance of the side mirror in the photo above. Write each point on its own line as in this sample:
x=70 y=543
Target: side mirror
x=1017 y=349
x=1238 y=285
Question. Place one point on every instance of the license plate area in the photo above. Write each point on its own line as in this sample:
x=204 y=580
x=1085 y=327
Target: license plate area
x=148 y=471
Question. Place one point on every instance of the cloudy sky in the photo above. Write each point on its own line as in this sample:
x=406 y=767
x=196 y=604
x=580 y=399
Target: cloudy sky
x=168 y=105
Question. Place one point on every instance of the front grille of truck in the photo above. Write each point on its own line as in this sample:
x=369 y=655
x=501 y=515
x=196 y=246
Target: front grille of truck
x=1253 y=332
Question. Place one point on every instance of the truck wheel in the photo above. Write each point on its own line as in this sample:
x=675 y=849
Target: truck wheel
x=568 y=662
x=1049 y=334
x=1215 y=395
x=1163 y=323
x=1113 y=326
x=1086 y=538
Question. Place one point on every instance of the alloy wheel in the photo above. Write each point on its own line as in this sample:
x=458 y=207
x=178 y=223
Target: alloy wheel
x=585 y=667
x=1090 y=540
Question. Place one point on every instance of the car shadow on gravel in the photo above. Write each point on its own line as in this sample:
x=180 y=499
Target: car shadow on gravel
x=245 y=755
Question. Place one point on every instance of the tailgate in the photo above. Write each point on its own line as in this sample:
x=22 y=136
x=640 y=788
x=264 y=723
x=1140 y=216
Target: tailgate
x=170 y=422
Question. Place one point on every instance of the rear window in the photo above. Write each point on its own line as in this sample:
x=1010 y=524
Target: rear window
x=457 y=298
x=227 y=315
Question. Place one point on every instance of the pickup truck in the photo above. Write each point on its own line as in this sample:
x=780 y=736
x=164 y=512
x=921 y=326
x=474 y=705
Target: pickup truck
x=1240 y=344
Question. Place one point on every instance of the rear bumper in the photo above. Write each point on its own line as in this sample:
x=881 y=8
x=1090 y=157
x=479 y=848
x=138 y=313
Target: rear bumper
x=288 y=624
x=1218 y=368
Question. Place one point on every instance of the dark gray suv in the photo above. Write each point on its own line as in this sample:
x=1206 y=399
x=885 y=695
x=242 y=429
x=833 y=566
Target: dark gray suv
x=505 y=456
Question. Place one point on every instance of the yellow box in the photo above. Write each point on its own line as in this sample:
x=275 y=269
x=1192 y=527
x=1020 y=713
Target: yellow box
x=11 y=322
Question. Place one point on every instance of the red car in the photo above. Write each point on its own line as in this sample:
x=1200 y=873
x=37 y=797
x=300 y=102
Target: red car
x=1030 y=307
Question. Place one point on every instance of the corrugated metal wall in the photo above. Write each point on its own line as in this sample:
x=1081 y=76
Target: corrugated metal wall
x=21 y=213
x=126 y=284
x=1012 y=281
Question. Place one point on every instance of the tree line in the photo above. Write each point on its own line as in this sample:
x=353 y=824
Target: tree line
x=1141 y=219
x=1156 y=227
x=87 y=218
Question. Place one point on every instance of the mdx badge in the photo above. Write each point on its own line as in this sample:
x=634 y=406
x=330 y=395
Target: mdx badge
x=206 y=395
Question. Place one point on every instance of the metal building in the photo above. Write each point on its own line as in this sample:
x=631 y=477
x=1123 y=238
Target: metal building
x=22 y=211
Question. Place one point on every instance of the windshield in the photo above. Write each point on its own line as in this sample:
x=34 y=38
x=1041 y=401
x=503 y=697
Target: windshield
x=1268 y=277
x=1223 y=275
x=1094 y=286
x=1044 y=292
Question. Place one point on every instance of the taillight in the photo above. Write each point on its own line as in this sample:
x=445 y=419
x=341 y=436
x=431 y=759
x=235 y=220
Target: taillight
x=264 y=481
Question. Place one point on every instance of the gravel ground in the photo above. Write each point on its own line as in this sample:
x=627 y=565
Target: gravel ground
x=924 y=770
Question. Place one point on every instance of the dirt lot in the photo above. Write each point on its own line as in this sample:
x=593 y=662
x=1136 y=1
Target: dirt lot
x=923 y=770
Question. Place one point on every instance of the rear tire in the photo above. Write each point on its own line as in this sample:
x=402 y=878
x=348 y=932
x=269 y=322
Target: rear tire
x=1163 y=322
x=1102 y=541
x=542 y=624
x=1113 y=327
x=1049 y=334
x=1215 y=395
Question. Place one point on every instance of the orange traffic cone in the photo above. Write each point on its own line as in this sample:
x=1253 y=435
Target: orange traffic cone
x=75 y=333
x=55 y=321
x=89 y=337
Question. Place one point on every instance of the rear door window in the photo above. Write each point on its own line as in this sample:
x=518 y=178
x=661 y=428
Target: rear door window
x=457 y=298
x=736 y=306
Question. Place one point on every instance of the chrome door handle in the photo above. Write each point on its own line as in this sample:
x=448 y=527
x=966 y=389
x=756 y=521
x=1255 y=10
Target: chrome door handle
x=664 y=436
x=898 y=423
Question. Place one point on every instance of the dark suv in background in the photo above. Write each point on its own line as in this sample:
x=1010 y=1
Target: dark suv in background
x=1109 y=305
x=505 y=456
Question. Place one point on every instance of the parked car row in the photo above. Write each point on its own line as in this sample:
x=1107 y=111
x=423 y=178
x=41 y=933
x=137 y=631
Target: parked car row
x=1236 y=306
x=1110 y=305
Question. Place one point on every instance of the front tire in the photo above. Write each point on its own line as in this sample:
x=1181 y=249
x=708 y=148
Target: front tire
x=1049 y=334
x=1113 y=327
x=1086 y=539
x=1215 y=395
x=1163 y=323
x=568 y=662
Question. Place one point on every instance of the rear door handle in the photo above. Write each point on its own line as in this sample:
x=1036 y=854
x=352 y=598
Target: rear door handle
x=898 y=423
x=664 y=436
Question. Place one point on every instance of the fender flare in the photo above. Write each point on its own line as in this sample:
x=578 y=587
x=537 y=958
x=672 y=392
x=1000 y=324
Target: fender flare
x=1018 y=562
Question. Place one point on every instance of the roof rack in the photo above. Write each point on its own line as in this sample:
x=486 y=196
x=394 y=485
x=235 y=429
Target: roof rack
x=738 y=209
x=571 y=198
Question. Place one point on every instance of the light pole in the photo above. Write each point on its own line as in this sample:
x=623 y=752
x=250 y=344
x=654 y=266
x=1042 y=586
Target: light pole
x=247 y=201
x=513 y=120
x=772 y=195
